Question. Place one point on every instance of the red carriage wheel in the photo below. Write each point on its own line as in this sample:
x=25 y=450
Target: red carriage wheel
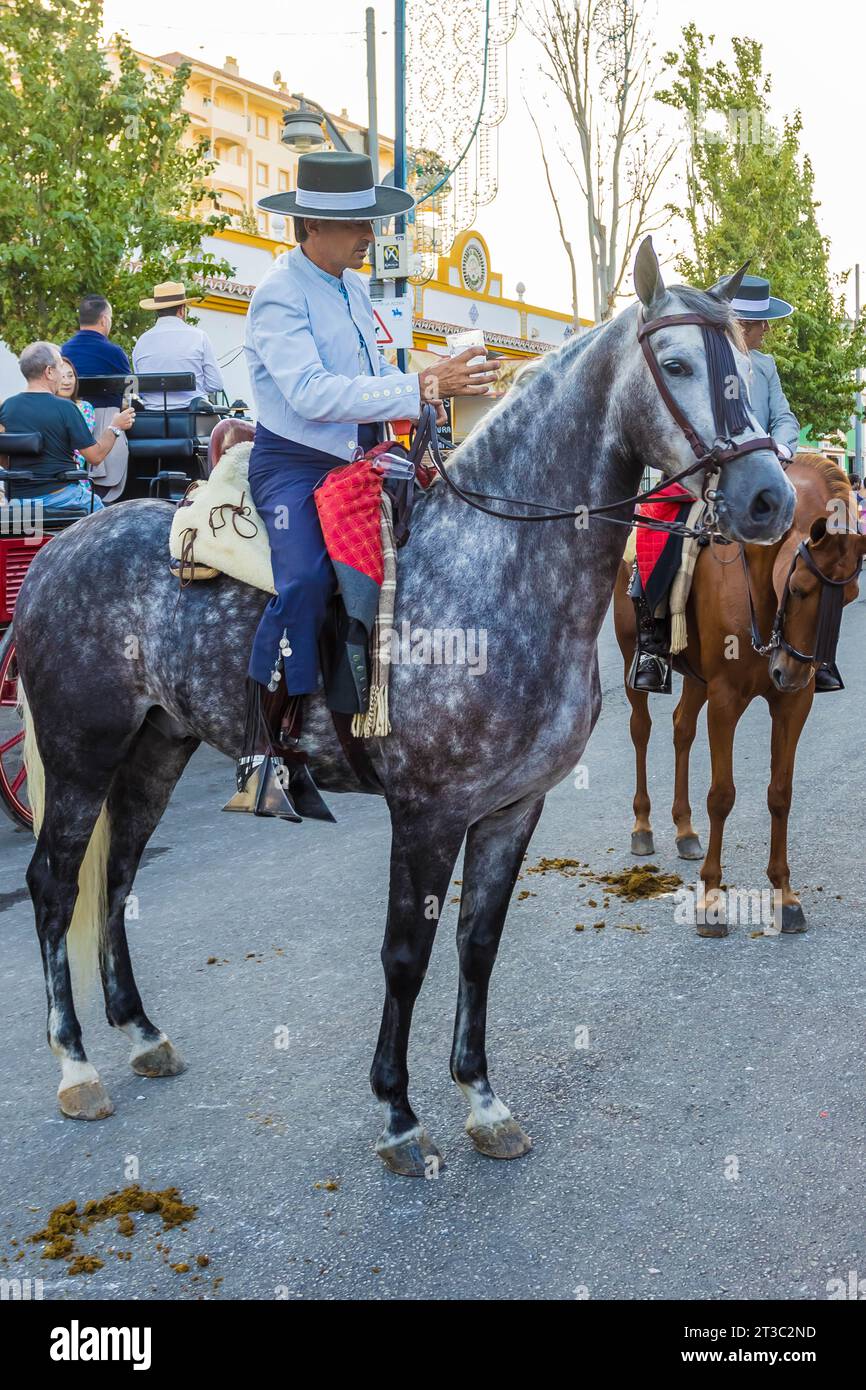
x=13 y=774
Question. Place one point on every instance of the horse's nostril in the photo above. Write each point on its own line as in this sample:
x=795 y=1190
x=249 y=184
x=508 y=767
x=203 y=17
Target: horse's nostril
x=763 y=505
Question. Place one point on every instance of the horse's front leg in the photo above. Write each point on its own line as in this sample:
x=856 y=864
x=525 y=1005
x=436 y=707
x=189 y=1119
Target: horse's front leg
x=689 y=706
x=789 y=713
x=640 y=728
x=425 y=843
x=495 y=848
x=724 y=712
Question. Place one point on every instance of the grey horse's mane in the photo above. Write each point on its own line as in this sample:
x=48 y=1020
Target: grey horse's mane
x=537 y=375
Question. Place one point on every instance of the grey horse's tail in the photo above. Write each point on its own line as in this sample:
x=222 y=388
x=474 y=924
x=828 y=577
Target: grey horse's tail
x=91 y=906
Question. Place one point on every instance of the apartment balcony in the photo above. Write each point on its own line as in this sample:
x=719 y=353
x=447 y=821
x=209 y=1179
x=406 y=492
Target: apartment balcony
x=224 y=121
x=230 y=175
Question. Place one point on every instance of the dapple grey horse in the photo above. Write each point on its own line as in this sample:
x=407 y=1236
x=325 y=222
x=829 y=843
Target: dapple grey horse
x=123 y=677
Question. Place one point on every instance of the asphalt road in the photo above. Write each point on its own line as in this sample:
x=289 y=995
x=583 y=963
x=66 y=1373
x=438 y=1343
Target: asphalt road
x=707 y=1143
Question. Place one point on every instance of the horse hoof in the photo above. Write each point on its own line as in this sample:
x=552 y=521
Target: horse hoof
x=161 y=1060
x=89 y=1100
x=504 y=1139
x=642 y=842
x=793 y=918
x=412 y=1156
x=713 y=931
x=689 y=847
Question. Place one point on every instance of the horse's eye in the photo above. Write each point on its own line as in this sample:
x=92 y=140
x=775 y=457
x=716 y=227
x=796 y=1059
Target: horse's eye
x=674 y=367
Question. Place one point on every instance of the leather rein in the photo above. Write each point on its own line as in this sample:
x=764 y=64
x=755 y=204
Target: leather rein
x=708 y=461
x=831 y=595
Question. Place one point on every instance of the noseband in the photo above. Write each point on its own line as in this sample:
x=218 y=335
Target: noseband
x=829 y=612
x=708 y=461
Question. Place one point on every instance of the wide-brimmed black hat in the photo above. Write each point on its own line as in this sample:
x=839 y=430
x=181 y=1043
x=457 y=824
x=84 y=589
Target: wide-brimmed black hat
x=754 y=301
x=338 y=185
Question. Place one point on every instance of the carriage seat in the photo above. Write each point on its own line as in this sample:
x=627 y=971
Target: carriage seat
x=15 y=481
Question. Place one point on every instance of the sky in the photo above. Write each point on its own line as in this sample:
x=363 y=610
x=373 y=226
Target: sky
x=816 y=54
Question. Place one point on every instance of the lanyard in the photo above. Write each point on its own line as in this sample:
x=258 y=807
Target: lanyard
x=365 y=366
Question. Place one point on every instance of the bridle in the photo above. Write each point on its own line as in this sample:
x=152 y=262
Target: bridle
x=829 y=612
x=707 y=460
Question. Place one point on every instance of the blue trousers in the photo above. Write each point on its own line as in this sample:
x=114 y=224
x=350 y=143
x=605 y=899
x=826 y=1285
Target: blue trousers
x=283 y=477
x=73 y=495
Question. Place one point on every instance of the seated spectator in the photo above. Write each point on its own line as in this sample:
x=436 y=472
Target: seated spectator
x=92 y=353
x=69 y=391
x=40 y=408
x=173 y=345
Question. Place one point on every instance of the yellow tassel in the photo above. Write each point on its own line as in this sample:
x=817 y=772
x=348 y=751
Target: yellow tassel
x=382 y=724
x=375 y=723
x=679 y=633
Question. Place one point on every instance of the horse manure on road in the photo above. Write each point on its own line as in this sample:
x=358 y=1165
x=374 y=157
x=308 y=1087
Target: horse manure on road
x=569 y=867
x=640 y=881
x=66 y=1222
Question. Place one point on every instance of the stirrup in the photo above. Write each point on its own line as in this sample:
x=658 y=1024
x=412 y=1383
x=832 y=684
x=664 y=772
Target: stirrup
x=305 y=795
x=650 y=673
x=272 y=799
x=261 y=790
x=247 y=772
x=828 y=678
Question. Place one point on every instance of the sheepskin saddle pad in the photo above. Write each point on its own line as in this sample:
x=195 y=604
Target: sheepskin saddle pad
x=217 y=530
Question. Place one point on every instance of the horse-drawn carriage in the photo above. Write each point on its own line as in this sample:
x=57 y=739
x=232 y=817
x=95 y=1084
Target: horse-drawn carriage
x=168 y=449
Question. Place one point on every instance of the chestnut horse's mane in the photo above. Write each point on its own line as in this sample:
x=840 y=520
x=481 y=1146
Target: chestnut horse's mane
x=830 y=473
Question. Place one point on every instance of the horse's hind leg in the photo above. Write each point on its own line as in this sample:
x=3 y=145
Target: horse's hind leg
x=425 y=843
x=53 y=880
x=139 y=795
x=689 y=706
x=495 y=848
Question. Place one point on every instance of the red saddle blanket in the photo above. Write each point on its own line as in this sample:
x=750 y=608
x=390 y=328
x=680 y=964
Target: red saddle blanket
x=349 y=504
x=650 y=545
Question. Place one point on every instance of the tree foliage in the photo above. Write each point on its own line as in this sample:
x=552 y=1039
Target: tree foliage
x=749 y=195
x=98 y=191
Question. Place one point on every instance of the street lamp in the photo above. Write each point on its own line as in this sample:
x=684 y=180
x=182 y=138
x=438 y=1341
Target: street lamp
x=302 y=129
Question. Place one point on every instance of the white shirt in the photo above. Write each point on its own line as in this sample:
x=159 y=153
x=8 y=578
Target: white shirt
x=173 y=345
x=304 y=336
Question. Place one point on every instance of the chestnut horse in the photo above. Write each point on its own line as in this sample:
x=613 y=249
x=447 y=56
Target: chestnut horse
x=723 y=669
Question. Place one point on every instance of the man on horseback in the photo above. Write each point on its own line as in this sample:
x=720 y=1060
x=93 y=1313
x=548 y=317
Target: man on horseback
x=755 y=307
x=322 y=389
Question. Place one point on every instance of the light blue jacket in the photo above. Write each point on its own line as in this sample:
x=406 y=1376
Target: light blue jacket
x=302 y=349
x=769 y=403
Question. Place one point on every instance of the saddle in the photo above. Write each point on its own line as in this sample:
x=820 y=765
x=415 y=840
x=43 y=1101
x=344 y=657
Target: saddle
x=665 y=562
x=217 y=530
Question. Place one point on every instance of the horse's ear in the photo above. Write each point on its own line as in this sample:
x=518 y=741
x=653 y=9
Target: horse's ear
x=727 y=287
x=647 y=274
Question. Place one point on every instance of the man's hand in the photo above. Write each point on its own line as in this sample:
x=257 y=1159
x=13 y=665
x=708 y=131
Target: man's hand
x=124 y=419
x=457 y=376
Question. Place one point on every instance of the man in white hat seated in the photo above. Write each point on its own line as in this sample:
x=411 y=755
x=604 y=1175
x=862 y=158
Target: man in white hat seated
x=755 y=308
x=173 y=345
x=321 y=388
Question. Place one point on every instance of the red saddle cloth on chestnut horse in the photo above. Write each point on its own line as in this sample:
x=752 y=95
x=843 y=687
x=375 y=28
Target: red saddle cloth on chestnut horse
x=659 y=553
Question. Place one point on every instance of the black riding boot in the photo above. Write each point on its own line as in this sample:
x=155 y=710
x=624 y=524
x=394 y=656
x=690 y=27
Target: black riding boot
x=650 y=670
x=275 y=780
x=828 y=677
